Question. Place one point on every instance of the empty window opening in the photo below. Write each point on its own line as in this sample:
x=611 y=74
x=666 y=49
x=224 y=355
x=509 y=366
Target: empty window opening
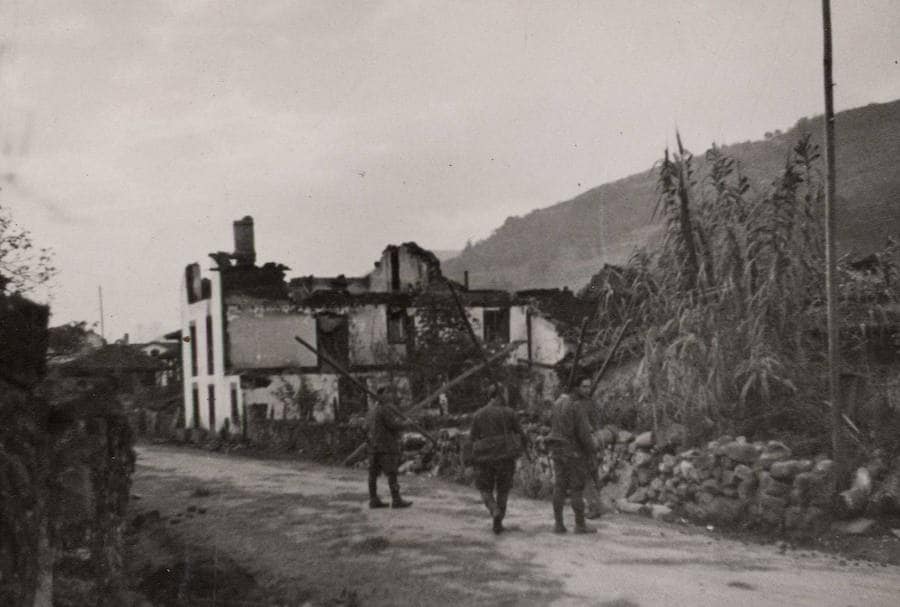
x=210 y=364
x=333 y=341
x=496 y=326
x=235 y=414
x=195 y=407
x=396 y=325
x=193 y=330
x=395 y=270
x=211 y=393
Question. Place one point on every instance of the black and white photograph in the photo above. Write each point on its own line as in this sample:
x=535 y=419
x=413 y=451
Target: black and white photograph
x=389 y=303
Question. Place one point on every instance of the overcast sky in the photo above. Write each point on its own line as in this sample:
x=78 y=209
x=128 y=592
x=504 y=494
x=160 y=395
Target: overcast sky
x=133 y=133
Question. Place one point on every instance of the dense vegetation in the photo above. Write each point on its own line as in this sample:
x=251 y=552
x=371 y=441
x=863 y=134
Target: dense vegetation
x=566 y=243
x=728 y=306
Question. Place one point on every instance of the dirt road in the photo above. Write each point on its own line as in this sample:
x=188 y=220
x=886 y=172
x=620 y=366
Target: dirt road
x=301 y=526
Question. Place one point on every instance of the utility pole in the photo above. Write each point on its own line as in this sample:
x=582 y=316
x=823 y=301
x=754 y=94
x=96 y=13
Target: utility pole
x=102 y=327
x=830 y=260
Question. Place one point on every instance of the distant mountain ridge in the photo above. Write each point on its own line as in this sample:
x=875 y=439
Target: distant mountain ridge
x=565 y=244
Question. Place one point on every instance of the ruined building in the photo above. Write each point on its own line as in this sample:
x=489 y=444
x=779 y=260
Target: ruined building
x=239 y=319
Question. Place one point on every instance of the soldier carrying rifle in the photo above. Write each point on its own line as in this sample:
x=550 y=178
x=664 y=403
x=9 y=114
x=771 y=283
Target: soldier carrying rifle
x=572 y=449
x=384 y=452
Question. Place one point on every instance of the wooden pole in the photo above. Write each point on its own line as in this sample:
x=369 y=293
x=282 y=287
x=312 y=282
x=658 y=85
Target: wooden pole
x=830 y=255
x=102 y=321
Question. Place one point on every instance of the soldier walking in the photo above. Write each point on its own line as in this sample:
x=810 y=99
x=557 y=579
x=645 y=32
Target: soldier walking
x=497 y=441
x=385 y=427
x=591 y=495
x=571 y=448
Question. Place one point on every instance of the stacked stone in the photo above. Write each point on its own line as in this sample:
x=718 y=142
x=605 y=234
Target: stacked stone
x=730 y=481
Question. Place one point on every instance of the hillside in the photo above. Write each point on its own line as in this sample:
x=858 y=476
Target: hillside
x=565 y=244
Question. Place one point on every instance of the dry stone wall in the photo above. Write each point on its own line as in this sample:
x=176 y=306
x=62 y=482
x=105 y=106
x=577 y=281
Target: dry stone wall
x=729 y=482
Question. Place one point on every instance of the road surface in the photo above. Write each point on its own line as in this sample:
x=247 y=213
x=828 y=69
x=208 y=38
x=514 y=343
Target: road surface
x=295 y=524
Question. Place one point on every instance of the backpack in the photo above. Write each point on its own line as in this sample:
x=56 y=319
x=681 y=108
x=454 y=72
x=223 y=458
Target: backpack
x=497 y=447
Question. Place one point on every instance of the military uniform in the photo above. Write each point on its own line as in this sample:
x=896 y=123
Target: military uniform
x=591 y=492
x=384 y=454
x=571 y=447
x=495 y=437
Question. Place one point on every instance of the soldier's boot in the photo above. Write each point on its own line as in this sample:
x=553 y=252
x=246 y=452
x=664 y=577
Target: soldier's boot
x=488 y=498
x=558 y=526
x=499 y=513
x=396 y=500
x=374 y=500
x=502 y=498
x=582 y=527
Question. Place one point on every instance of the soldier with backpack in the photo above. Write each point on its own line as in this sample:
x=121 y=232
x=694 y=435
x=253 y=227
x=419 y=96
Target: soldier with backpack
x=497 y=441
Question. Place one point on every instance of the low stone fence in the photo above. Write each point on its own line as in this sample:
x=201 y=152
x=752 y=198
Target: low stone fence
x=729 y=482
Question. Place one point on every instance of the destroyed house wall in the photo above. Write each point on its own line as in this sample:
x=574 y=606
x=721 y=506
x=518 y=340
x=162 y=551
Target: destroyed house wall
x=239 y=326
x=261 y=334
x=548 y=347
x=275 y=398
x=353 y=329
x=208 y=393
x=404 y=268
x=273 y=395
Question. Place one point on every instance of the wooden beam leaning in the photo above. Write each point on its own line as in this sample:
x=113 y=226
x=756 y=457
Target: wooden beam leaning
x=478 y=345
x=584 y=326
x=609 y=356
x=340 y=369
x=465 y=375
x=358 y=452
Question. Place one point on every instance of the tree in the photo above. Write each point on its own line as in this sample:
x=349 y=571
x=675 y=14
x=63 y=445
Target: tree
x=70 y=338
x=23 y=267
x=299 y=402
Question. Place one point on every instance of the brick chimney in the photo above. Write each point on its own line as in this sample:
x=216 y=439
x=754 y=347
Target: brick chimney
x=244 y=249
